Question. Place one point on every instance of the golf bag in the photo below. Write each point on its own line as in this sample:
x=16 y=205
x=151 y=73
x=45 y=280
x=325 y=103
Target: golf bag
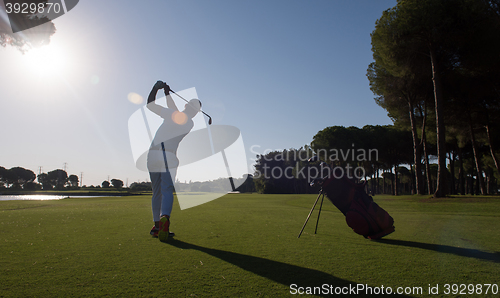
x=362 y=214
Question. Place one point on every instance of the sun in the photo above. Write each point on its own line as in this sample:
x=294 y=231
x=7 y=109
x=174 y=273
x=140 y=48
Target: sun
x=49 y=60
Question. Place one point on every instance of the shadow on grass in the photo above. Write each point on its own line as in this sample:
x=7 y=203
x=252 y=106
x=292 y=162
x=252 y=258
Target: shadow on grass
x=462 y=252
x=285 y=274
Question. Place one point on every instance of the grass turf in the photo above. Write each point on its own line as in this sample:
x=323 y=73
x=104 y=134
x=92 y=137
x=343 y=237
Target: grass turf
x=243 y=245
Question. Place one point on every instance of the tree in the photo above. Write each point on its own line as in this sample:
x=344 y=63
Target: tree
x=105 y=184
x=3 y=173
x=372 y=147
x=205 y=188
x=9 y=177
x=36 y=31
x=117 y=183
x=16 y=177
x=248 y=185
x=23 y=175
x=56 y=178
x=410 y=89
x=73 y=181
x=337 y=144
x=44 y=181
x=283 y=171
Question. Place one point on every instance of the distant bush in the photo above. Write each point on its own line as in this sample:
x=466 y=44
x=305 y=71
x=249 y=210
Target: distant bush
x=142 y=186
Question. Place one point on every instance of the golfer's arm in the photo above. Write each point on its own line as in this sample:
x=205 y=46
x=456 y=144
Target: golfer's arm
x=152 y=106
x=170 y=102
x=152 y=95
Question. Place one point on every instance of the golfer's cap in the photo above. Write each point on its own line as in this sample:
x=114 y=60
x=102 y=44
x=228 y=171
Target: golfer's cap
x=195 y=104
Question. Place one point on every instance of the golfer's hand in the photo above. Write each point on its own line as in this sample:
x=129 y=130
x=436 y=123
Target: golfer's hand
x=159 y=85
x=166 y=88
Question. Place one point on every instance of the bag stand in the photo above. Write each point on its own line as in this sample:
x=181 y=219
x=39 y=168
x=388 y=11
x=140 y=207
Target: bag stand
x=322 y=195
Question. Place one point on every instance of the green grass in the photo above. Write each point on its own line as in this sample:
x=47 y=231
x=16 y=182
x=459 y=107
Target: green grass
x=241 y=245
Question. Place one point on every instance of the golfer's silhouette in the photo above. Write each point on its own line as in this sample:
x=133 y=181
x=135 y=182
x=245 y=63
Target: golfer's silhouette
x=162 y=160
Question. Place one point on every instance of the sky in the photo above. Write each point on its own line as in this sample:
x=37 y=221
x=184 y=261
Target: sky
x=279 y=71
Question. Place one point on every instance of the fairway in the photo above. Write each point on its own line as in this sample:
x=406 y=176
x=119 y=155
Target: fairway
x=244 y=245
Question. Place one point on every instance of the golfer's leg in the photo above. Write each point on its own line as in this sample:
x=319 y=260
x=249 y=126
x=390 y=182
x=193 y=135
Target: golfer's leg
x=167 y=190
x=157 y=195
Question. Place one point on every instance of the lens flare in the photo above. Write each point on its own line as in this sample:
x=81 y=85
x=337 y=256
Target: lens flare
x=135 y=98
x=179 y=117
x=48 y=60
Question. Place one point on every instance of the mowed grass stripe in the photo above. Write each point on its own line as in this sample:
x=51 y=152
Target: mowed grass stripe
x=241 y=245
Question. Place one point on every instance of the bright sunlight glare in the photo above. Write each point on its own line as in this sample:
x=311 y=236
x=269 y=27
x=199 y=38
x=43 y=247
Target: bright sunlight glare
x=47 y=60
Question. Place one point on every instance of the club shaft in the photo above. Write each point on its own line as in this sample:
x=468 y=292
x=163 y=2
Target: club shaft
x=187 y=101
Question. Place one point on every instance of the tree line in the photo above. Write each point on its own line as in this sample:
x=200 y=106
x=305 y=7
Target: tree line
x=382 y=157
x=220 y=185
x=18 y=178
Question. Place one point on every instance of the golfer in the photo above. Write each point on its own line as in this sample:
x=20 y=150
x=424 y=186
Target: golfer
x=162 y=160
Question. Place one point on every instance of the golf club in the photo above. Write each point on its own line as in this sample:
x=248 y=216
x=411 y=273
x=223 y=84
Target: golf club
x=209 y=118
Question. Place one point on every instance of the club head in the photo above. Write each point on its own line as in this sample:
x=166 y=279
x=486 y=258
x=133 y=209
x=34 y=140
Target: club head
x=317 y=181
x=313 y=159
